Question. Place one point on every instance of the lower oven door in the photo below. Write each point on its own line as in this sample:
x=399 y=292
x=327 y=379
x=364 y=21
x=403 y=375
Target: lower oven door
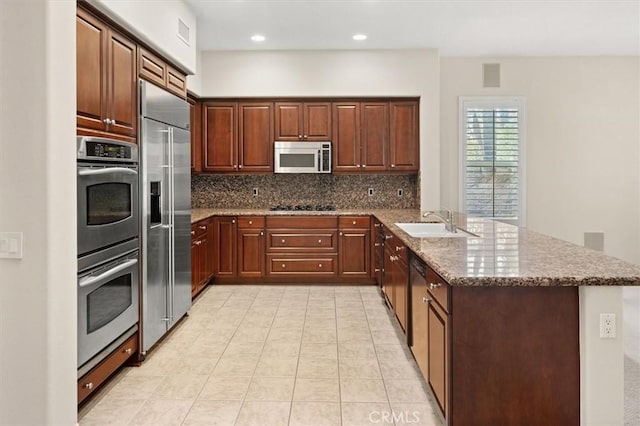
x=107 y=304
x=107 y=205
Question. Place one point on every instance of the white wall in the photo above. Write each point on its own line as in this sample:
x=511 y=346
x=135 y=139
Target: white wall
x=338 y=73
x=582 y=142
x=37 y=197
x=156 y=23
x=194 y=81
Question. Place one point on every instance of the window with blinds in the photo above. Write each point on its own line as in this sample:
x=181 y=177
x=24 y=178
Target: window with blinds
x=492 y=169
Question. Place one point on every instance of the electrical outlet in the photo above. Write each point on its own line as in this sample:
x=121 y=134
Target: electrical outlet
x=400 y=192
x=607 y=326
x=370 y=192
x=255 y=192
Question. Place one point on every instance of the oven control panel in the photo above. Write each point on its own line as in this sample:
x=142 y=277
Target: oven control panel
x=103 y=149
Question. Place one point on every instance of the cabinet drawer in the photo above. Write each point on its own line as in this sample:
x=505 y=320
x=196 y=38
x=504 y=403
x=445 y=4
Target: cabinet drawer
x=297 y=222
x=354 y=222
x=199 y=228
x=438 y=288
x=302 y=265
x=94 y=378
x=152 y=68
x=312 y=241
x=176 y=82
x=255 y=222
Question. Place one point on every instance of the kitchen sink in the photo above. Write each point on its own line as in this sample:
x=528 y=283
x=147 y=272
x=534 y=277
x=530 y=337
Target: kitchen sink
x=432 y=230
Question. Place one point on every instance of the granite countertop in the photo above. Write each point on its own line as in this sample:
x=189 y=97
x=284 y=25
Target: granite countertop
x=501 y=255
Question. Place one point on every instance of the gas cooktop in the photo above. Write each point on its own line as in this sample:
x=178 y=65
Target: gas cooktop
x=303 y=207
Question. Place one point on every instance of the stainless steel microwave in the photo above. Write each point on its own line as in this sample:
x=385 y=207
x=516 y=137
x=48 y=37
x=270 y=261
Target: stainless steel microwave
x=302 y=157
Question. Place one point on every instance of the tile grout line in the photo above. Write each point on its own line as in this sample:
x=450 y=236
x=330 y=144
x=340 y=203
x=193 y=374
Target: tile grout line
x=295 y=378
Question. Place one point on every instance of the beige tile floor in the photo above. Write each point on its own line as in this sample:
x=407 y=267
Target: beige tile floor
x=273 y=355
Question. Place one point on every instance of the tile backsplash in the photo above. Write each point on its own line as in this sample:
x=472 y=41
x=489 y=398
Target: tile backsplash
x=343 y=191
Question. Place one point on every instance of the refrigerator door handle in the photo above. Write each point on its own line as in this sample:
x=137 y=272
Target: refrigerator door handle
x=172 y=273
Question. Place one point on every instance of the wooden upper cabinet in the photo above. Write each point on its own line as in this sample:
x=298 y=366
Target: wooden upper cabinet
x=220 y=137
x=317 y=121
x=122 y=84
x=346 y=136
x=156 y=70
x=374 y=136
x=404 y=138
x=106 y=72
x=255 y=137
x=302 y=121
x=91 y=71
x=195 y=127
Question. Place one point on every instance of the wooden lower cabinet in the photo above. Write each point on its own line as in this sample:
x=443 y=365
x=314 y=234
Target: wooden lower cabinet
x=498 y=355
x=225 y=247
x=396 y=277
x=291 y=249
x=251 y=246
x=91 y=381
x=354 y=247
x=201 y=255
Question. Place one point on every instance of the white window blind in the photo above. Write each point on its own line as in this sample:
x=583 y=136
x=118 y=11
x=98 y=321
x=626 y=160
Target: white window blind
x=492 y=166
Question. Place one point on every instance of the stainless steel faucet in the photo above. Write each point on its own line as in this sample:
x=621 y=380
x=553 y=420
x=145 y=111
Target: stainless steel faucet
x=449 y=221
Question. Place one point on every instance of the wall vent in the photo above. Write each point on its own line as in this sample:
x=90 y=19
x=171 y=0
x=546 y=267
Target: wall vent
x=183 y=31
x=491 y=75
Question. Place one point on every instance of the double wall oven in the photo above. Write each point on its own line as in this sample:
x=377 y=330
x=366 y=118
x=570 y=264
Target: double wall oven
x=108 y=246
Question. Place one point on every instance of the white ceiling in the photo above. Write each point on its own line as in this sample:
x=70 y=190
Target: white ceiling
x=455 y=27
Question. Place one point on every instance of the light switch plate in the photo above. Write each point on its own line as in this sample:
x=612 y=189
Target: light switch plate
x=11 y=245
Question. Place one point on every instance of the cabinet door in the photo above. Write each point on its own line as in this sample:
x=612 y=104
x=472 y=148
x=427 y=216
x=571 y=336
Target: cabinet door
x=255 y=137
x=288 y=121
x=91 y=71
x=346 y=137
x=195 y=120
x=317 y=121
x=220 y=137
x=225 y=247
x=404 y=138
x=401 y=286
x=251 y=253
x=354 y=253
x=122 y=85
x=419 y=322
x=195 y=266
x=375 y=136
x=438 y=324
x=390 y=272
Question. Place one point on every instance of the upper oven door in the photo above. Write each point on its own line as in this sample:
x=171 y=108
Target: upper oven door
x=107 y=205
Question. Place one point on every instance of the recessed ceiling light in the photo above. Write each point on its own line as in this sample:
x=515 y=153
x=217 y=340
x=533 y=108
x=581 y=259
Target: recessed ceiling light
x=360 y=37
x=258 y=37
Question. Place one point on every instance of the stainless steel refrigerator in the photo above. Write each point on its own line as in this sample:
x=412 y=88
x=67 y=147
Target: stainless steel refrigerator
x=165 y=162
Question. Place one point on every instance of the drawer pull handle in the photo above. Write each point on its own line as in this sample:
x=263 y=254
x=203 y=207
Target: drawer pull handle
x=319 y=265
x=283 y=241
x=377 y=270
x=202 y=227
x=354 y=222
x=434 y=285
x=319 y=241
x=388 y=237
x=193 y=232
x=233 y=221
x=250 y=222
x=425 y=300
x=283 y=265
x=261 y=233
x=399 y=248
x=128 y=351
x=377 y=244
x=88 y=385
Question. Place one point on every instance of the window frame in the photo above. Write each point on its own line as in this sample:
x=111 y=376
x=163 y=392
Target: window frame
x=466 y=102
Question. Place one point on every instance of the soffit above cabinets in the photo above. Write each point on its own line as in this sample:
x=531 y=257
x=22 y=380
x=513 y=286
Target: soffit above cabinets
x=455 y=28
